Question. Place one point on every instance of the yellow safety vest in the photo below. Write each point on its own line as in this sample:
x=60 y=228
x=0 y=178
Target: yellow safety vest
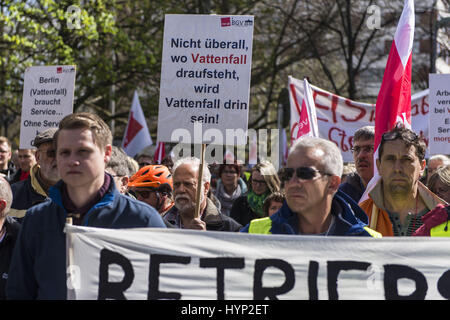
x=260 y=226
x=440 y=230
x=263 y=226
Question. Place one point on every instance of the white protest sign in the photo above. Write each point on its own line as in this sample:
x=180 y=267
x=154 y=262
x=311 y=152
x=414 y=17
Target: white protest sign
x=157 y=263
x=338 y=118
x=47 y=98
x=205 y=75
x=439 y=121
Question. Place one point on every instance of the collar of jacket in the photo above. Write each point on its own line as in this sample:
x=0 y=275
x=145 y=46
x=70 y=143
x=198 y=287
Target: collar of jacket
x=34 y=181
x=241 y=183
x=55 y=194
x=429 y=198
x=350 y=218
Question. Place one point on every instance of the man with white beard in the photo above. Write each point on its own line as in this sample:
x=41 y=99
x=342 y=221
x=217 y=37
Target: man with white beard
x=182 y=215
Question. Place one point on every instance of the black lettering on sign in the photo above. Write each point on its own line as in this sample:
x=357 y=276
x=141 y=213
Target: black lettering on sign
x=444 y=285
x=312 y=280
x=395 y=272
x=221 y=264
x=260 y=292
x=114 y=290
x=153 y=279
x=333 y=269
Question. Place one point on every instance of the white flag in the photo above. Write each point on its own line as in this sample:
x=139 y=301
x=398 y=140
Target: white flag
x=136 y=136
x=303 y=111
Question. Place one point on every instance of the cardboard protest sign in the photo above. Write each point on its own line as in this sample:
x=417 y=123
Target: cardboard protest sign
x=205 y=74
x=338 y=118
x=439 y=120
x=157 y=263
x=47 y=98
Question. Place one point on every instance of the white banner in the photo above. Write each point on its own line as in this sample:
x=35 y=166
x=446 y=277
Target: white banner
x=205 y=76
x=47 y=98
x=439 y=113
x=188 y=264
x=338 y=117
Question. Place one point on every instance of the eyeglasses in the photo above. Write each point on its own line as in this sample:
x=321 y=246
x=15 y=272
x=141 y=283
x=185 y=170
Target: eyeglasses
x=259 y=181
x=303 y=173
x=405 y=135
x=143 y=193
x=229 y=172
x=358 y=149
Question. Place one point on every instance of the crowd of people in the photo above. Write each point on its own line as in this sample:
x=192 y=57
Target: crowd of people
x=74 y=175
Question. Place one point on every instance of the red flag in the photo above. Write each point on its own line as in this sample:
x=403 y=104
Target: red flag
x=136 y=136
x=394 y=99
x=160 y=153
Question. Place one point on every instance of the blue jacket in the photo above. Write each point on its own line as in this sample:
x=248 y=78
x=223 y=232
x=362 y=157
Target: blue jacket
x=350 y=220
x=38 y=266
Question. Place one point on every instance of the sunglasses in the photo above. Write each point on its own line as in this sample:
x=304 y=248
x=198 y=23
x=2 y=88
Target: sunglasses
x=303 y=173
x=143 y=193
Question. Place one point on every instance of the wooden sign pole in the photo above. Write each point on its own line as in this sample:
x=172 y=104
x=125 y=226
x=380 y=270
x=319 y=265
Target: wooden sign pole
x=199 y=181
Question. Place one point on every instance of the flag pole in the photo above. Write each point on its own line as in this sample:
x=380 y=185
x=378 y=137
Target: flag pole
x=199 y=181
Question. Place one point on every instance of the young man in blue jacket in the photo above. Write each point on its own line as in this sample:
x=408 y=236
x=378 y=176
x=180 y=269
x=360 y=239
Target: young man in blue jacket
x=85 y=195
x=313 y=205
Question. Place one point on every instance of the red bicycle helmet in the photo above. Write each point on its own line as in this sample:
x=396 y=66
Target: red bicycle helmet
x=153 y=176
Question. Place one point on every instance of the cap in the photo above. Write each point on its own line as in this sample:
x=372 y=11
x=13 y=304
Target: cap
x=44 y=136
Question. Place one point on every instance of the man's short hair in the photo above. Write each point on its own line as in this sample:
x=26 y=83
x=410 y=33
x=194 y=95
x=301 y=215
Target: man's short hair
x=332 y=161
x=5 y=194
x=84 y=120
x=364 y=133
x=119 y=162
x=5 y=140
x=409 y=137
x=196 y=163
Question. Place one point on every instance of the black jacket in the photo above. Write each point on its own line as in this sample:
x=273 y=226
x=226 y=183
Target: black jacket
x=24 y=195
x=6 y=250
x=242 y=212
x=353 y=187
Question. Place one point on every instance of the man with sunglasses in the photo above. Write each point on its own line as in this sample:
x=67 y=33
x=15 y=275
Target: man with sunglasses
x=153 y=185
x=314 y=205
x=398 y=201
x=43 y=175
x=356 y=182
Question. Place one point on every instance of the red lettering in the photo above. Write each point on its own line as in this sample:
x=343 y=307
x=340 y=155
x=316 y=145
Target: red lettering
x=372 y=115
x=196 y=57
x=318 y=105
x=342 y=134
x=424 y=103
x=414 y=110
x=362 y=111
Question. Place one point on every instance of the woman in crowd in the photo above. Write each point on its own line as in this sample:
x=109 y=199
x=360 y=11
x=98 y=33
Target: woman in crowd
x=439 y=183
x=229 y=186
x=263 y=181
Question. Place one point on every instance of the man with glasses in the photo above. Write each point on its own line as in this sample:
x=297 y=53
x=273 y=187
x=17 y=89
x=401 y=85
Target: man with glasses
x=43 y=175
x=314 y=205
x=363 y=141
x=399 y=200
